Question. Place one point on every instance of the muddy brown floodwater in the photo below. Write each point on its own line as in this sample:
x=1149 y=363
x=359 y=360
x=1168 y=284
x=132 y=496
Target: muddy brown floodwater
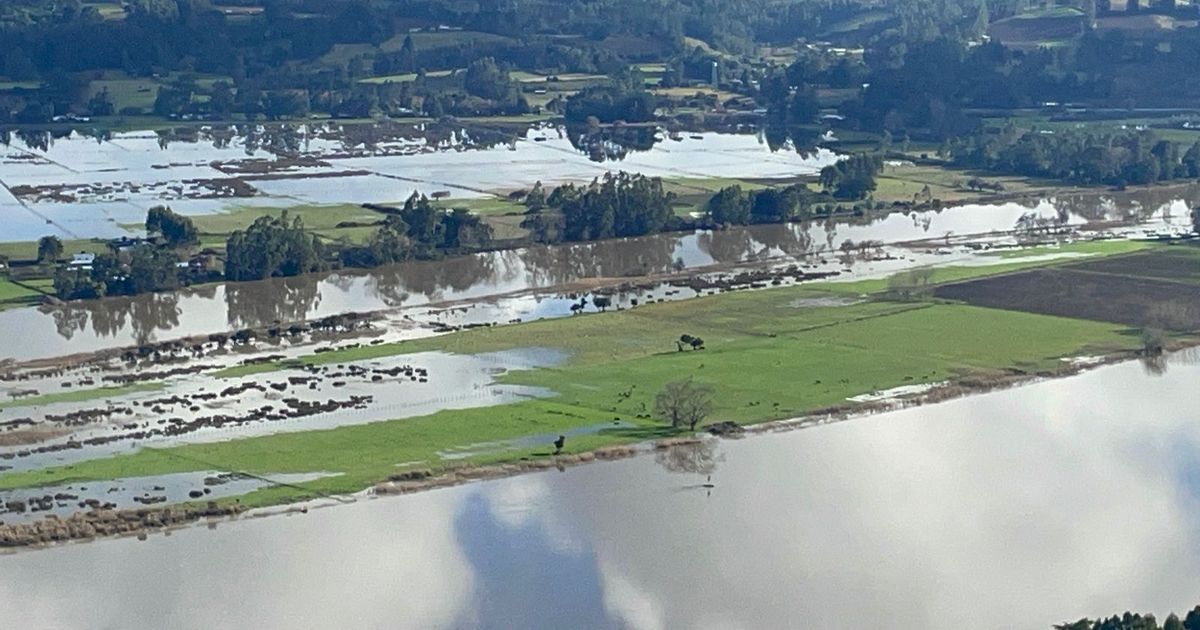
x=1019 y=508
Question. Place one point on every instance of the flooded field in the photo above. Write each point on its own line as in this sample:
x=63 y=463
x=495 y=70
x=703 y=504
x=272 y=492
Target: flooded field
x=419 y=293
x=123 y=494
x=1016 y=509
x=201 y=407
x=83 y=187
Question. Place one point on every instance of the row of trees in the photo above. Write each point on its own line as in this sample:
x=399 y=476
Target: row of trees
x=272 y=246
x=1137 y=621
x=1080 y=157
x=624 y=205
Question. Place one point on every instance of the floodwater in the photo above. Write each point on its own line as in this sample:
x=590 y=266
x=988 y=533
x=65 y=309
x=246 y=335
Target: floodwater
x=1016 y=509
x=79 y=327
x=195 y=408
x=84 y=187
x=124 y=494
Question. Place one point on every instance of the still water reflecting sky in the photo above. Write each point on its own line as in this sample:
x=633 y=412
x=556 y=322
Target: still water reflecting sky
x=91 y=325
x=1016 y=509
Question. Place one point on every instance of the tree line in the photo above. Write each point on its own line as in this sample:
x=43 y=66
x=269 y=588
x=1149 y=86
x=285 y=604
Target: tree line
x=1082 y=157
x=271 y=246
x=1137 y=621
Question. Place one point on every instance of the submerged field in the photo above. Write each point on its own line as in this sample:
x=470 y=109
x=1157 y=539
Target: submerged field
x=769 y=355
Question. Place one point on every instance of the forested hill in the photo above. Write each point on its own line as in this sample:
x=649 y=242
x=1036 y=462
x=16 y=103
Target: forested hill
x=921 y=69
x=41 y=37
x=73 y=35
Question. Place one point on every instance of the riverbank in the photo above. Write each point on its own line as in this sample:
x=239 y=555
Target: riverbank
x=772 y=355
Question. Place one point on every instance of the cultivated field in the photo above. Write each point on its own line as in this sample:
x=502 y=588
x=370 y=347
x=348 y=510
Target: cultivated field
x=1155 y=289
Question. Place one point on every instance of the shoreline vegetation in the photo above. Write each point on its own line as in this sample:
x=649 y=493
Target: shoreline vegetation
x=888 y=335
x=424 y=229
x=179 y=252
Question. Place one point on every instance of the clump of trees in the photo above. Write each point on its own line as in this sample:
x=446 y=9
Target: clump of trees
x=684 y=403
x=420 y=230
x=609 y=104
x=177 y=230
x=614 y=206
x=1154 y=342
x=734 y=206
x=128 y=270
x=852 y=178
x=273 y=246
x=792 y=110
x=141 y=269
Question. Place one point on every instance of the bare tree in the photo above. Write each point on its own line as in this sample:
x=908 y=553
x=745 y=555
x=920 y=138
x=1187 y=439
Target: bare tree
x=684 y=403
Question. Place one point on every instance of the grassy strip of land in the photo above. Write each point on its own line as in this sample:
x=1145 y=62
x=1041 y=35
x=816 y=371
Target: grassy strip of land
x=315 y=217
x=771 y=355
x=11 y=291
x=81 y=395
x=15 y=294
x=1107 y=248
x=938 y=275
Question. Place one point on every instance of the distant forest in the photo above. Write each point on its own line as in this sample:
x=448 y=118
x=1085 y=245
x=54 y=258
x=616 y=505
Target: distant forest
x=924 y=61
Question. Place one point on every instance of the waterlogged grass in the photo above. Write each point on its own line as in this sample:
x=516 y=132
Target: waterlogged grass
x=80 y=395
x=766 y=358
x=770 y=354
x=362 y=454
x=1017 y=260
x=617 y=331
x=1106 y=248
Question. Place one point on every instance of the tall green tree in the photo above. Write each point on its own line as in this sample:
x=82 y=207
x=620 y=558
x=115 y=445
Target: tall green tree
x=273 y=246
x=50 y=249
x=176 y=229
